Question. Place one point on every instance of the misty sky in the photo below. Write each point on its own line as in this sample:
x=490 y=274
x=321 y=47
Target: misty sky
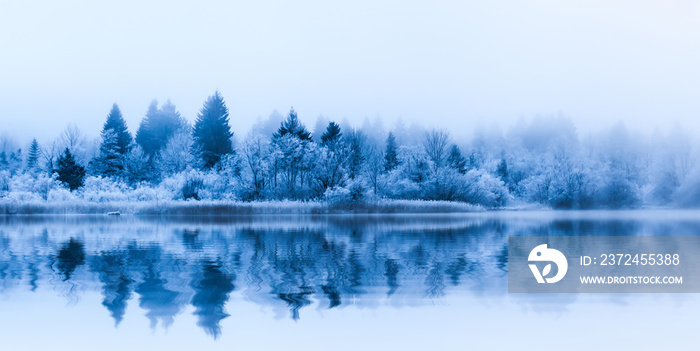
x=441 y=63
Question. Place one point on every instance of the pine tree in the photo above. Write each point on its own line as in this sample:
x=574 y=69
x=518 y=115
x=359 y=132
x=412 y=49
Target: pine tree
x=292 y=125
x=391 y=157
x=456 y=160
x=110 y=162
x=33 y=155
x=212 y=132
x=69 y=172
x=158 y=126
x=116 y=143
x=502 y=170
x=356 y=145
x=331 y=135
x=116 y=123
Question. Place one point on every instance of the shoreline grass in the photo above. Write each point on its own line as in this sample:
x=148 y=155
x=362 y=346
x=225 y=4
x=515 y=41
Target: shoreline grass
x=225 y=208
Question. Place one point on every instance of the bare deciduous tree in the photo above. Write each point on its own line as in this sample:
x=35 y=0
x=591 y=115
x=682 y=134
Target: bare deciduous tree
x=435 y=145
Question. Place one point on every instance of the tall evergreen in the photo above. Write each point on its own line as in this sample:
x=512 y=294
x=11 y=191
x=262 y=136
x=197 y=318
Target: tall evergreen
x=212 y=132
x=331 y=135
x=456 y=160
x=356 y=144
x=391 y=159
x=33 y=155
x=293 y=126
x=158 y=126
x=116 y=142
x=69 y=172
x=502 y=169
x=116 y=123
x=110 y=162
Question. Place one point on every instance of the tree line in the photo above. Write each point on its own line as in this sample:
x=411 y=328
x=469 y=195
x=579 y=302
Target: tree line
x=544 y=161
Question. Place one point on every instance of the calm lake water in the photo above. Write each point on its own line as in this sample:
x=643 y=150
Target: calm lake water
x=410 y=282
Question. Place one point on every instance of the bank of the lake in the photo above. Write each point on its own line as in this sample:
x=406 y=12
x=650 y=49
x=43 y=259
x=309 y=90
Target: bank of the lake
x=175 y=207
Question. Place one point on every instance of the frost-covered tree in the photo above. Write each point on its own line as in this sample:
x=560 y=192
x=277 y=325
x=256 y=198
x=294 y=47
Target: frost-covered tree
x=502 y=170
x=456 y=161
x=158 y=126
x=176 y=156
x=292 y=125
x=137 y=166
x=435 y=146
x=332 y=135
x=212 y=132
x=355 y=142
x=33 y=156
x=329 y=170
x=116 y=143
x=11 y=162
x=109 y=162
x=115 y=124
x=256 y=165
x=69 y=172
x=374 y=167
x=4 y=161
x=391 y=159
x=293 y=155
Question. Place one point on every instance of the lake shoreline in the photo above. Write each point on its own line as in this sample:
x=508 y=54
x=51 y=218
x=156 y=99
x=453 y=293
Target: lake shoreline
x=190 y=208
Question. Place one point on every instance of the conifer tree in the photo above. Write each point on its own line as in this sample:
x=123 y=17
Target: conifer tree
x=293 y=126
x=212 y=132
x=116 y=123
x=356 y=141
x=331 y=135
x=110 y=161
x=33 y=155
x=391 y=157
x=456 y=160
x=69 y=172
x=502 y=170
x=116 y=142
x=158 y=126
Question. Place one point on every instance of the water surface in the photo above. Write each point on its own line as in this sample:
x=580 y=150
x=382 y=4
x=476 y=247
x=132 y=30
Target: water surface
x=315 y=282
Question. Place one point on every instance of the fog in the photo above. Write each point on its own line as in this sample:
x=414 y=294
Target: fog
x=451 y=64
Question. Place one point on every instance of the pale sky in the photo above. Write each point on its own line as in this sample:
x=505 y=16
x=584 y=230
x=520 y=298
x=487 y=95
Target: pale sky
x=450 y=64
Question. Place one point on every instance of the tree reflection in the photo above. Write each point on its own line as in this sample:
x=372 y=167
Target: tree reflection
x=116 y=283
x=339 y=263
x=69 y=257
x=212 y=288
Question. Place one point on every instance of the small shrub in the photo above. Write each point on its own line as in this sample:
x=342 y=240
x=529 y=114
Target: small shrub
x=191 y=188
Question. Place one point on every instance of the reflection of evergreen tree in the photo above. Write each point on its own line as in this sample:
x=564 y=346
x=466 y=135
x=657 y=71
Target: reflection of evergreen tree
x=160 y=302
x=69 y=257
x=212 y=287
x=116 y=284
x=333 y=294
x=355 y=274
x=391 y=273
x=296 y=300
x=434 y=281
x=33 y=269
x=288 y=268
x=456 y=269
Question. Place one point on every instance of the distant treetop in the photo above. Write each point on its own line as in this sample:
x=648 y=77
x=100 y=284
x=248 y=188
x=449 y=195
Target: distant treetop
x=293 y=126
